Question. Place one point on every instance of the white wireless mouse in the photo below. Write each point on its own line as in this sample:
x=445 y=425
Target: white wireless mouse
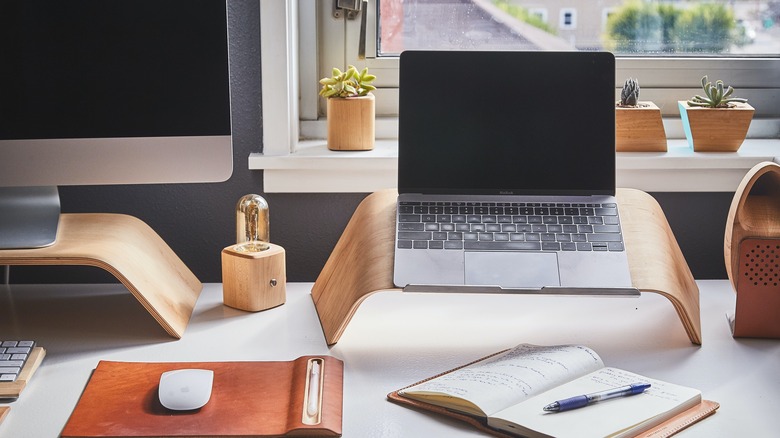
x=185 y=389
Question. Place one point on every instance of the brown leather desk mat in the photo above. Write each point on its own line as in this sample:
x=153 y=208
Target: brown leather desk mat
x=248 y=399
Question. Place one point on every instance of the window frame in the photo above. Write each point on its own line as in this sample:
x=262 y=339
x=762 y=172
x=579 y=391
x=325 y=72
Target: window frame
x=301 y=41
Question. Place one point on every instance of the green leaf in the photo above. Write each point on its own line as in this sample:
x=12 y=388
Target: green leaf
x=330 y=92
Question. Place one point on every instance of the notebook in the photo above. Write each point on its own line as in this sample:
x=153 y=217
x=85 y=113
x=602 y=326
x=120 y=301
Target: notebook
x=506 y=173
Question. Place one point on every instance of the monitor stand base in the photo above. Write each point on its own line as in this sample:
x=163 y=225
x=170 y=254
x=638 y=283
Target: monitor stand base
x=28 y=216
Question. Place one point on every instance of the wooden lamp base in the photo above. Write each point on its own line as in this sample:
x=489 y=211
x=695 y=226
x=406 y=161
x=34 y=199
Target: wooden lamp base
x=253 y=278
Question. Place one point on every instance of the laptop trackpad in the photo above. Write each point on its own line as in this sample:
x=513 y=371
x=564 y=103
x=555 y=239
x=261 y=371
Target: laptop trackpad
x=512 y=269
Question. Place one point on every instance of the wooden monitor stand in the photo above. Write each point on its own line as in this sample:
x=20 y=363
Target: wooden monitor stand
x=130 y=250
x=362 y=261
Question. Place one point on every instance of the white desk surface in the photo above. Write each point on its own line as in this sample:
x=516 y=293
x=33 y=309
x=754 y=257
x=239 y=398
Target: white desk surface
x=394 y=339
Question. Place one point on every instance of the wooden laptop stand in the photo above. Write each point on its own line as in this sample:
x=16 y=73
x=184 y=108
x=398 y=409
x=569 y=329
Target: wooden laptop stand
x=130 y=250
x=362 y=261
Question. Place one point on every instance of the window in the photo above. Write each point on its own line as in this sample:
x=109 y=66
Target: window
x=666 y=73
x=568 y=19
x=540 y=13
x=302 y=41
x=605 y=14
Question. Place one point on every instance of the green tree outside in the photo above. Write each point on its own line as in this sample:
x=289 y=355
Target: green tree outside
x=642 y=27
x=708 y=27
x=636 y=27
x=523 y=15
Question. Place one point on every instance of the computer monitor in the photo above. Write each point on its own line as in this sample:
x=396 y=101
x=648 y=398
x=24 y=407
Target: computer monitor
x=107 y=92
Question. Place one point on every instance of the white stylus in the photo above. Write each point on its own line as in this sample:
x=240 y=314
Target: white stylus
x=314 y=390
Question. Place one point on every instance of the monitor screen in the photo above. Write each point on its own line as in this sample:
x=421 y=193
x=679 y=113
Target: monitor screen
x=114 y=92
x=107 y=92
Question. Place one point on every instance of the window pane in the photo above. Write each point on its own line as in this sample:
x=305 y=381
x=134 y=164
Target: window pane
x=625 y=27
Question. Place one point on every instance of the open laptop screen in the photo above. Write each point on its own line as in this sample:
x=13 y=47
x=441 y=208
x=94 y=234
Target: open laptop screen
x=507 y=123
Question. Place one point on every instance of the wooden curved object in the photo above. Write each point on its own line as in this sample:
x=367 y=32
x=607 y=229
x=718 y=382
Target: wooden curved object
x=362 y=261
x=131 y=251
x=751 y=249
x=754 y=212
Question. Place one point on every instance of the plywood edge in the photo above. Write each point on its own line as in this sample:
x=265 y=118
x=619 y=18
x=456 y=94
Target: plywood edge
x=132 y=252
x=14 y=389
x=655 y=259
x=360 y=264
x=735 y=231
x=352 y=273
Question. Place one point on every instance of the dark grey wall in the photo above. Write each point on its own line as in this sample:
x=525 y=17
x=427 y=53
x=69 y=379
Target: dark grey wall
x=698 y=221
x=197 y=220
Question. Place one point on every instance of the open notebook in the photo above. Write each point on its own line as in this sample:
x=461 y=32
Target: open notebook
x=506 y=173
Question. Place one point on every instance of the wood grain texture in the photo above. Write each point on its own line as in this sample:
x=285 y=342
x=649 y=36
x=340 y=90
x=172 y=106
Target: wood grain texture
x=754 y=212
x=253 y=281
x=360 y=264
x=248 y=399
x=639 y=129
x=362 y=261
x=750 y=250
x=130 y=250
x=14 y=389
x=351 y=123
x=3 y=412
x=655 y=259
x=716 y=129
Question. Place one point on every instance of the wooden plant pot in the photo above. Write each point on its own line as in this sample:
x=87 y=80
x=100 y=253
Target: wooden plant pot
x=639 y=129
x=715 y=129
x=351 y=123
x=751 y=248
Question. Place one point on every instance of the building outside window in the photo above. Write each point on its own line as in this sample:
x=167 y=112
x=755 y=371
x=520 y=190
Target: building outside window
x=669 y=45
x=695 y=36
x=568 y=19
x=724 y=27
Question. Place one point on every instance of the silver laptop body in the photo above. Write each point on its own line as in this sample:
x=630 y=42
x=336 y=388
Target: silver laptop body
x=506 y=174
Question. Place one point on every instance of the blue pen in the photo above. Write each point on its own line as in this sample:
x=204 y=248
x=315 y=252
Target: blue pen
x=584 y=400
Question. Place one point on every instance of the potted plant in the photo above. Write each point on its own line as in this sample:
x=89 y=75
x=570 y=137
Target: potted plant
x=350 y=109
x=638 y=124
x=715 y=122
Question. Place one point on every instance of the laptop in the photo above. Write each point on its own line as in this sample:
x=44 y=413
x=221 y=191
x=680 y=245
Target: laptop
x=506 y=174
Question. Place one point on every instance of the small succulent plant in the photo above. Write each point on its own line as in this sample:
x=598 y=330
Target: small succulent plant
x=629 y=95
x=716 y=95
x=349 y=83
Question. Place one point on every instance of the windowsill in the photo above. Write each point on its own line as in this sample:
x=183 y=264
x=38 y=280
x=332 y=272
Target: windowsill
x=315 y=169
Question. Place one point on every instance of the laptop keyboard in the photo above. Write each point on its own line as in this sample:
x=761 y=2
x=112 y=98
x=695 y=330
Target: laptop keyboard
x=509 y=226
